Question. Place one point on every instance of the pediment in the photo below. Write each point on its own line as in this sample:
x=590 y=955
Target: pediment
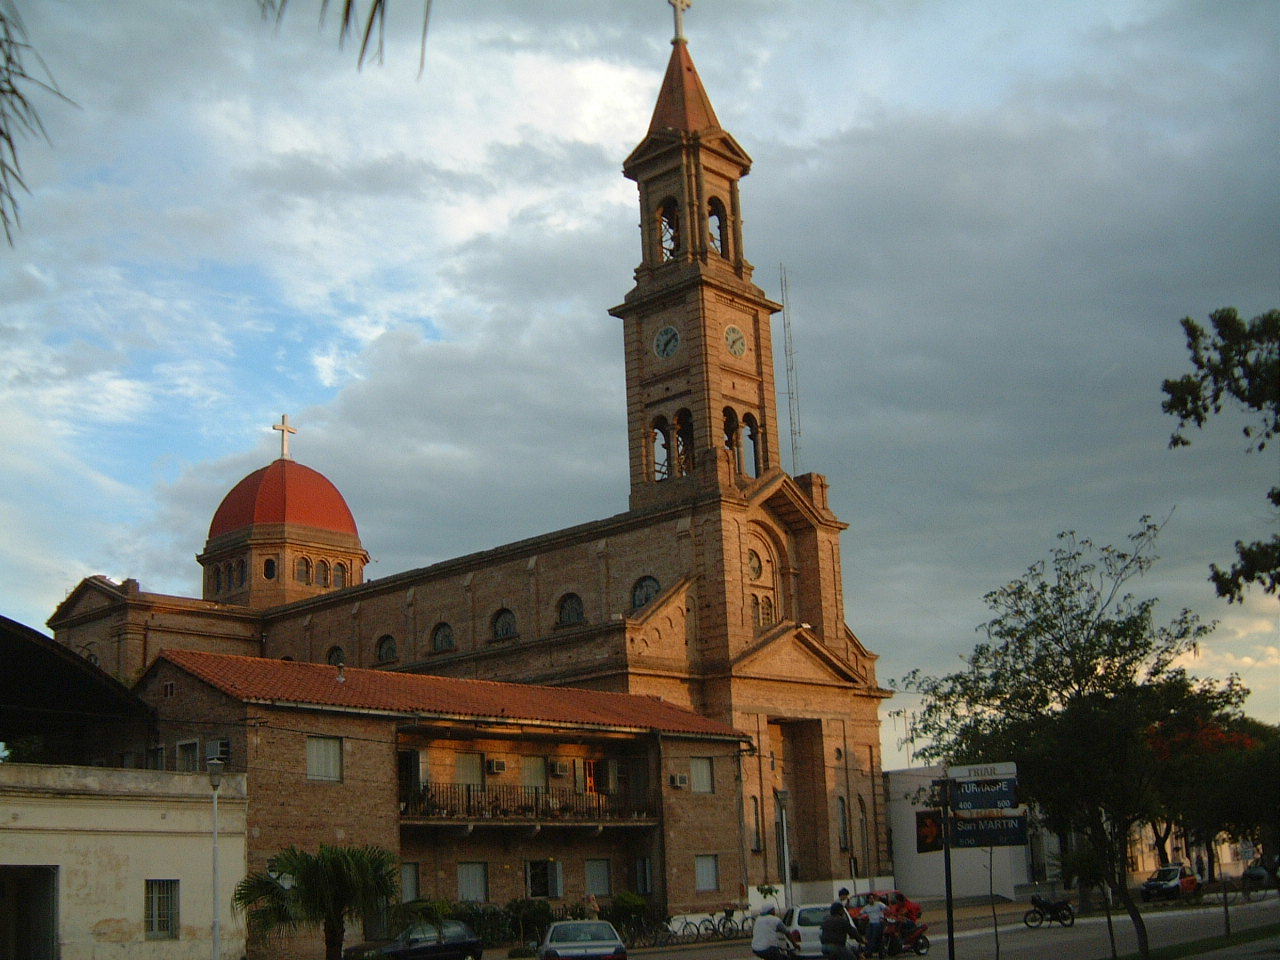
x=90 y=596
x=783 y=497
x=795 y=654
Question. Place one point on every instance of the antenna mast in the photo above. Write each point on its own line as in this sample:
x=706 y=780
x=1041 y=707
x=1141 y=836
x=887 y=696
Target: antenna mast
x=793 y=386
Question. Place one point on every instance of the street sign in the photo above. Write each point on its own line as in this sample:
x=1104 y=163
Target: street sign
x=984 y=771
x=989 y=831
x=999 y=794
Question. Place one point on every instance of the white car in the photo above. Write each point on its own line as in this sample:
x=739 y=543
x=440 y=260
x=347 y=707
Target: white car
x=803 y=924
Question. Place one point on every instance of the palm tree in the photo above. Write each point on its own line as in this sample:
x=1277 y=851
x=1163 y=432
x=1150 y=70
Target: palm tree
x=327 y=888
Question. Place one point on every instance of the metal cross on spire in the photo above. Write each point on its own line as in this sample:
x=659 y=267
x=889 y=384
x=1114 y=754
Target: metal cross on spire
x=285 y=430
x=680 y=6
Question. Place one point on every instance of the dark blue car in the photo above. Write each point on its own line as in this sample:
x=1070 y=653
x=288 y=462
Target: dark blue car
x=451 y=940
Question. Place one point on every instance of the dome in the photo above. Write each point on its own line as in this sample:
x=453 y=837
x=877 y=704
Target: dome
x=284 y=491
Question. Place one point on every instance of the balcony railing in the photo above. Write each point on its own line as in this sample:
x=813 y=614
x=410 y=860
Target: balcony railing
x=464 y=801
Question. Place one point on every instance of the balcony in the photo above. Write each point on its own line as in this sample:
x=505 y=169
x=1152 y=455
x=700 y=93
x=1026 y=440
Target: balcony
x=469 y=803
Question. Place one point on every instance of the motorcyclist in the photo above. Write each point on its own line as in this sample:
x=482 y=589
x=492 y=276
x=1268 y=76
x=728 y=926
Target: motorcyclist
x=905 y=912
x=766 y=934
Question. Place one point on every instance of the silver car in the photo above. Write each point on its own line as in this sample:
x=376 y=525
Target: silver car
x=582 y=940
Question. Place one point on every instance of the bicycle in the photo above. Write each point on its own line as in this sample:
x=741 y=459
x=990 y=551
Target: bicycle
x=688 y=932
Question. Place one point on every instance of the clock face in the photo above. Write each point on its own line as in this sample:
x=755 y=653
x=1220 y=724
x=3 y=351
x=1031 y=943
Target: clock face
x=667 y=342
x=735 y=340
x=754 y=566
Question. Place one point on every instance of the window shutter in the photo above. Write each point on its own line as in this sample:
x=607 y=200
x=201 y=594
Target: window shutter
x=580 y=776
x=557 y=878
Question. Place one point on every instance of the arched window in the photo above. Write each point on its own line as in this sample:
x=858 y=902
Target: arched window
x=268 y=569
x=753 y=461
x=442 y=638
x=569 y=610
x=755 y=610
x=339 y=575
x=302 y=570
x=668 y=223
x=504 y=624
x=335 y=656
x=684 y=443
x=644 y=590
x=660 y=441
x=766 y=611
x=864 y=836
x=842 y=811
x=386 y=648
x=217 y=579
x=718 y=227
x=731 y=438
x=322 y=573
x=240 y=568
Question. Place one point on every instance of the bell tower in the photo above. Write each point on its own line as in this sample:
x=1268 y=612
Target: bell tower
x=701 y=404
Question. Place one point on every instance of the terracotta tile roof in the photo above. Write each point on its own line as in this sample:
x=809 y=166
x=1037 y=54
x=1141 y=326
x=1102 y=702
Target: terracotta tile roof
x=257 y=679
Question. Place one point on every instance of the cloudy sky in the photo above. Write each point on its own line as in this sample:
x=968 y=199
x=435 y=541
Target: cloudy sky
x=992 y=216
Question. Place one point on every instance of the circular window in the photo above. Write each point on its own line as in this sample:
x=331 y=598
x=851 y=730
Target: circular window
x=754 y=565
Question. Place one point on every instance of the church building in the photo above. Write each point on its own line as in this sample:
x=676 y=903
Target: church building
x=718 y=590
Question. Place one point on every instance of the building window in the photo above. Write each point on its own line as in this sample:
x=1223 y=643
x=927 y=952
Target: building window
x=324 y=758
x=660 y=442
x=189 y=756
x=644 y=590
x=218 y=750
x=473 y=882
x=597 y=878
x=504 y=624
x=302 y=570
x=336 y=656
x=268 y=569
x=755 y=448
x=161 y=910
x=732 y=438
x=717 y=227
x=766 y=611
x=240 y=569
x=706 y=871
x=842 y=811
x=569 y=610
x=217 y=579
x=155 y=758
x=668 y=223
x=544 y=878
x=322 y=573
x=339 y=575
x=442 y=638
x=684 y=443
x=644 y=875
x=701 y=779
x=408 y=882
x=533 y=772
x=386 y=648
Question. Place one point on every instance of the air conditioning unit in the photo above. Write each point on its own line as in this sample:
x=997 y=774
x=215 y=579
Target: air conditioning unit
x=558 y=768
x=679 y=780
x=495 y=766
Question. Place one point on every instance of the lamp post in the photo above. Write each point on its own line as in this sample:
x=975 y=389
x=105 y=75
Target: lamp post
x=215 y=781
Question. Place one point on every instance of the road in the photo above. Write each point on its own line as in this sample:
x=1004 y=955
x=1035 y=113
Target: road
x=1087 y=940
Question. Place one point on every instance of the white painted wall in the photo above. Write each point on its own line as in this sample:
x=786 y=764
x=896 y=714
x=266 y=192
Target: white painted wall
x=107 y=831
x=974 y=872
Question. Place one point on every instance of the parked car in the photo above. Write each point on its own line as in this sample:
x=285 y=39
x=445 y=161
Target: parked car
x=451 y=940
x=1175 y=880
x=582 y=940
x=801 y=925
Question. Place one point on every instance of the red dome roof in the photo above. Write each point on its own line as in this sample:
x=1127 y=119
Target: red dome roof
x=284 y=491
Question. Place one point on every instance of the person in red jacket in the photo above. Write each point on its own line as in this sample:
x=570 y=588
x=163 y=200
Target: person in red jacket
x=906 y=912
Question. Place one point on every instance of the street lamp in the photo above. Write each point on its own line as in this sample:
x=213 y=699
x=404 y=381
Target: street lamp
x=215 y=781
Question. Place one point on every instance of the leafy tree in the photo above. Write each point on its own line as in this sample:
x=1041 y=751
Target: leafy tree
x=326 y=888
x=1074 y=675
x=1238 y=364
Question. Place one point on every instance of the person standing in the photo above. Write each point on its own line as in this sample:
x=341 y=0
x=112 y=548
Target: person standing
x=874 y=911
x=835 y=933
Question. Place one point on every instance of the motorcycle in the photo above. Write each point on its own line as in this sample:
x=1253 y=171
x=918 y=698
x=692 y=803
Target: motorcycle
x=897 y=941
x=1056 y=911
